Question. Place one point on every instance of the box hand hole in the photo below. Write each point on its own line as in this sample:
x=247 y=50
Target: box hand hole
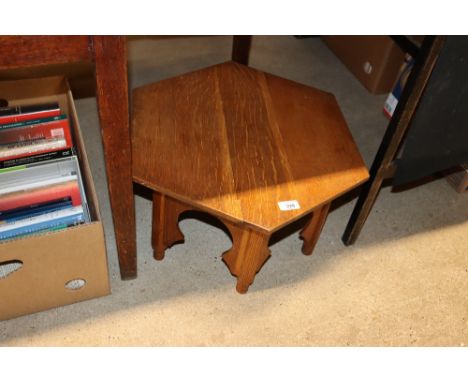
x=75 y=284
x=9 y=267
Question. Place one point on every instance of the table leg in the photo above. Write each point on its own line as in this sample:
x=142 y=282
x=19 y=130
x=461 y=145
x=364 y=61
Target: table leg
x=241 y=49
x=165 y=231
x=249 y=249
x=248 y=254
x=311 y=232
x=110 y=56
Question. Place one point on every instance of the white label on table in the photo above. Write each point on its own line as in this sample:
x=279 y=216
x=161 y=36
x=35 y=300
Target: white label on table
x=289 y=205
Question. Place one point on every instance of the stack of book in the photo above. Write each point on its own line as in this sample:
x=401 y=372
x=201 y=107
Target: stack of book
x=40 y=181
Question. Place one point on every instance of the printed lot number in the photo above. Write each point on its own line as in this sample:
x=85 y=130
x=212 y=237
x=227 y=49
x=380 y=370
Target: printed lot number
x=288 y=205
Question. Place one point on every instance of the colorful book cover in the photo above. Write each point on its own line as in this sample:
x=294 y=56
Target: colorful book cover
x=35 y=139
x=18 y=199
x=48 y=229
x=20 y=113
x=37 y=158
x=393 y=98
x=34 y=210
x=35 y=146
x=31 y=122
x=69 y=216
x=30 y=177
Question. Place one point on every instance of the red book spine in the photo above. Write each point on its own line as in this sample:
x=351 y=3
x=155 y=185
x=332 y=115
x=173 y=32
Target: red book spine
x=28 y=116
x=41 y=195
x=22 y=135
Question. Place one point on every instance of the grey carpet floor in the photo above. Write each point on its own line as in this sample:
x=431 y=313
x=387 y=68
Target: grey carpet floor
x=403 y=283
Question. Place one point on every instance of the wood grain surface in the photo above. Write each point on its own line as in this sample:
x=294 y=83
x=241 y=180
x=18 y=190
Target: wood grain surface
x=165 y=228
x=312 y=230
x=248 y=254
x=244 y=259
x=110 y=56
x=27 y=51
x=236 y=141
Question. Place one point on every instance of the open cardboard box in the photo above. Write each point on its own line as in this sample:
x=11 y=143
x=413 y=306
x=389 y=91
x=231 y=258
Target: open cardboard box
x=374 y=60
x=48 y=262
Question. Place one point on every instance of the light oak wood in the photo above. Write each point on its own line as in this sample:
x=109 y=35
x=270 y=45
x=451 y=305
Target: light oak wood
x=248 y=254
x=249 y=247
x=234 y=141
x=166 y=230
x=311 y=232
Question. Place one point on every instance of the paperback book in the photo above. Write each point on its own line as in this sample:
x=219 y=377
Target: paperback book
x=63 y=217
x=11 y=114
x=33 y=139
x=41 y=188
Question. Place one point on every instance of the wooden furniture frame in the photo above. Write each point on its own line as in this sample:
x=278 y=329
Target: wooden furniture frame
x=240 y=144
x=383 y=166
x=250 y=246
x=113 y=107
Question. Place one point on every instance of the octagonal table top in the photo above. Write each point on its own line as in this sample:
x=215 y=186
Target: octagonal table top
x=236 y=141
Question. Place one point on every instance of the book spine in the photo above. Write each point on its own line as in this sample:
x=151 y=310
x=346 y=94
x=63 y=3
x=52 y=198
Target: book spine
x=28 y=116
x=49 y=229
x=42 y=195
x=19 y=149
x=36 y=158
x=38 y=184
x=35 y=212
x=50 y=130
x=34 y=228
x=26 y=112
x=22 y=213
x=44 y=218
x=22 y=109
x=36 y=121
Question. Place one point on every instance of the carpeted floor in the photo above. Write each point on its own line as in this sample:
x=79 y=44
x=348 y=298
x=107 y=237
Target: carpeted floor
x=403 y=283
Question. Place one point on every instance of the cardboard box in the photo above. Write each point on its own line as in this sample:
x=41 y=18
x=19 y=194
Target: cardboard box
x=394 y=97
x=374 y=60
x=55 y=268
x=80 y=76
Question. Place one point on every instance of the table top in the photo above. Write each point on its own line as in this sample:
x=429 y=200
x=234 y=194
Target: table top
x=236 y=141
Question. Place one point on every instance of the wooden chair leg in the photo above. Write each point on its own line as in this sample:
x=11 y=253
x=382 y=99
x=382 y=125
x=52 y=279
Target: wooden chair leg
x=248 y=254
x=311 y=232
x=165 y=230
x=241 y=49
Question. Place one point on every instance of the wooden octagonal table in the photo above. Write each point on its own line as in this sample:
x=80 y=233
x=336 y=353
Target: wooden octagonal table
x=255 y=150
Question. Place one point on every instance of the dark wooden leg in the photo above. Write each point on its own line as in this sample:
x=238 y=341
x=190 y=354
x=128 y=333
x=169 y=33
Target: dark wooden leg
x=311 y=232
x=383 y=162
x=110 y=56
x=248 y=253
x=363 y=207
x=166 y=230
x=241 y=49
